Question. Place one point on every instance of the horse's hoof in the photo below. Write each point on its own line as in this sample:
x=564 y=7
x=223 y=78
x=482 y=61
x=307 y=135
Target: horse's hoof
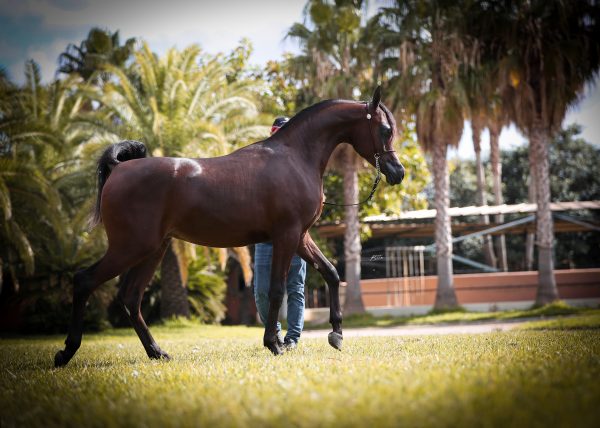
x=61 y=359
x=275 y=348
x=160 y=355
x=335 y=340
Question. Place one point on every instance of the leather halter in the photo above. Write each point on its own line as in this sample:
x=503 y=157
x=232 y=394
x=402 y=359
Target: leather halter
x=376 y=154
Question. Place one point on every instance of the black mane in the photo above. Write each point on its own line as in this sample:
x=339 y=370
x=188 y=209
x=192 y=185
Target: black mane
x=302 y=114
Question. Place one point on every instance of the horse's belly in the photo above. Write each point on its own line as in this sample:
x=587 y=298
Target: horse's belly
x=213 y=232
x=222 y=241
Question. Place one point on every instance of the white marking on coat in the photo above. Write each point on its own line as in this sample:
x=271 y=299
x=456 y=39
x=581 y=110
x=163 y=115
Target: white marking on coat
x=187 y=167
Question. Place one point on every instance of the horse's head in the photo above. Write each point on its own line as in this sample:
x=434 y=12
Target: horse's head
x=374 y=136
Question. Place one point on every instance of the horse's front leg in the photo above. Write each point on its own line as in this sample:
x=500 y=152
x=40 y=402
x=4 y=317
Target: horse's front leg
x=309 y=251
x=284 y=247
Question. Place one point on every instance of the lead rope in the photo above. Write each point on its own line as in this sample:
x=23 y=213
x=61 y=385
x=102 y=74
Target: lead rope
x=375 y=183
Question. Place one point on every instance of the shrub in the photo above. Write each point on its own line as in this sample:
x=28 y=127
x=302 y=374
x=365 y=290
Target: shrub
x=48 y=311
x=206 y=294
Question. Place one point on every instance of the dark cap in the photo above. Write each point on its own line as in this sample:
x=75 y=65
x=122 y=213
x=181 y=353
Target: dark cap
x=278 y=123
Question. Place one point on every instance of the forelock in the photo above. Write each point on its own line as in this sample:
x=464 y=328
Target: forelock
x=390 y=118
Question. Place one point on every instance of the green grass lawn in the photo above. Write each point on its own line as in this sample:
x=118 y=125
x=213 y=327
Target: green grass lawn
x=589 y=320
x=222 y=376
x=458 y=317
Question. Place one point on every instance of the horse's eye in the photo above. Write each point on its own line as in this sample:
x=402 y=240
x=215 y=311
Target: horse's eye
x=386 y=132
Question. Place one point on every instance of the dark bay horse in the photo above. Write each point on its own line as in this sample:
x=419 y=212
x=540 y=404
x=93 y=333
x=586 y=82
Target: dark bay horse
x=270 y=190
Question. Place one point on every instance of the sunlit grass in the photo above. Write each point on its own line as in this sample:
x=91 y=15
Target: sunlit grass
x=587 y=321
x=457 y=317
x=222 y=376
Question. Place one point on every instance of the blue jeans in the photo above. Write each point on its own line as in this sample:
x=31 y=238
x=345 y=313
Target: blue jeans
x=295 y=290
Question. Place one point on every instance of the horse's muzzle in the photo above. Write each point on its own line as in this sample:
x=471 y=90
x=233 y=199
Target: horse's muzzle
x=393 y=171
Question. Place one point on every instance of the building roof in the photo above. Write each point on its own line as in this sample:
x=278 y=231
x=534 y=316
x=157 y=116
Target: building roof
x=382 y=225
x=484 y=210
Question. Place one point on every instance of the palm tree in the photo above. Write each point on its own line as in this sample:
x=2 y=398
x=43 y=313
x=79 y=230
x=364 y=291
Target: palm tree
x=40 y=127
x=331 y=65
x=547 y=52
x=180 y=104
x=99 y=48
x=425 y=39
x=477 y=125
x=16 y=244
x=486 y=111
x=496 y=119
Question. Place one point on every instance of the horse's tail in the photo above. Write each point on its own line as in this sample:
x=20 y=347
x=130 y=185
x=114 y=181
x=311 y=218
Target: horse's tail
x=112 y=156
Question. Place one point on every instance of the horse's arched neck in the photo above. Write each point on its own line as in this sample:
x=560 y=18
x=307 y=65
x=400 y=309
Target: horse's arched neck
x=317 y=136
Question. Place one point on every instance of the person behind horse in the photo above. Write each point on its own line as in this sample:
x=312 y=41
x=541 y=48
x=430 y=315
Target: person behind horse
x=295 y=283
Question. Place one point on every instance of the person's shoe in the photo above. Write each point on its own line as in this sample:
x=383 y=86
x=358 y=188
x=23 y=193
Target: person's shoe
x=289 y=345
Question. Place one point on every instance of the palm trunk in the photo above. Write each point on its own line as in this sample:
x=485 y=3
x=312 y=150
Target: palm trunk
x=488 y=248
x=530 y=240
x=445 y=297
x=352 y=247
x=498 y=199
x=547 y=291
x=174 y=296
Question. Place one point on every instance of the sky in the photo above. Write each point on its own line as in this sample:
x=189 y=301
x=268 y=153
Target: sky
x=41 y=29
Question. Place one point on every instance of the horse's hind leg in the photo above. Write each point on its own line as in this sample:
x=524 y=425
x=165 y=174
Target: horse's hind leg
x=309 y=251
x=130 y=296
x=82 y=289
x=85 y=282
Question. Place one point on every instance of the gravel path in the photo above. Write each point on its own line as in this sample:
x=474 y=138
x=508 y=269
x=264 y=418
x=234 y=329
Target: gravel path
x=418 y=330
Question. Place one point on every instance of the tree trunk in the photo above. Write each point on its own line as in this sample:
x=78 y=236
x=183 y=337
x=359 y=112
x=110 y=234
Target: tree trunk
x=498 y=199
x=174 y=296
x=488 y=248
x=445 y=297
x=530 y=240
x=547 y=291
x=352 y=247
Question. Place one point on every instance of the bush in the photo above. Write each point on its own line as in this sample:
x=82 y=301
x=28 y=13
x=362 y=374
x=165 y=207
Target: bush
x=206 y=294
x=48 y=311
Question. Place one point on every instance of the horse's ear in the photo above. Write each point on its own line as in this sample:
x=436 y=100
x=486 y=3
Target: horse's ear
x=376 y=99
